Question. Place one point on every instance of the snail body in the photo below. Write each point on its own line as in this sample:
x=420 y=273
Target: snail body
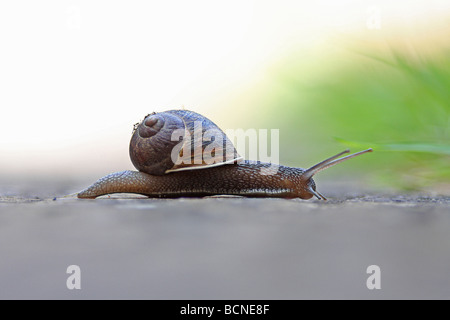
x=167 y=168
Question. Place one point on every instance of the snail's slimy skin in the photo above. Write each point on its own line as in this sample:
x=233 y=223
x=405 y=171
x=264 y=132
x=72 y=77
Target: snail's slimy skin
x=243 y=179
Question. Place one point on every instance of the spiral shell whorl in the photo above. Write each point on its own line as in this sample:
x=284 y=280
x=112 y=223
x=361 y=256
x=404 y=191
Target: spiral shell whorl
x=151 y=145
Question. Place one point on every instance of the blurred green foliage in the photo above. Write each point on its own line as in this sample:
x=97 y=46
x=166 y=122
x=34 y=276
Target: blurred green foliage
x=395 y=101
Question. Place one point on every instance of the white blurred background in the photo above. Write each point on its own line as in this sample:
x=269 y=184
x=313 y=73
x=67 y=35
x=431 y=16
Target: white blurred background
x=76 y=75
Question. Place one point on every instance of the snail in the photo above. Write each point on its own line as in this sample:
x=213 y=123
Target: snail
x=160 y=148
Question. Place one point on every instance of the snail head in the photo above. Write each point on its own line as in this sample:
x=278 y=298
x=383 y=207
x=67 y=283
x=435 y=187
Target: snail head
x=306 y=177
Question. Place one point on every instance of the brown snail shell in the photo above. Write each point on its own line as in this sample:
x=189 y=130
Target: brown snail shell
x=156 y=143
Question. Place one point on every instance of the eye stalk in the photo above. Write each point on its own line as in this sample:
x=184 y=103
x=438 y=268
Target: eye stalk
x=325 y=164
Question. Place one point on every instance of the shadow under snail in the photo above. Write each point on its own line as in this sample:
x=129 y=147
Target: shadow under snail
x=153 y=149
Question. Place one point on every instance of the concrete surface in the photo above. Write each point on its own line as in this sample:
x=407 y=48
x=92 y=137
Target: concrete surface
x=222 y=248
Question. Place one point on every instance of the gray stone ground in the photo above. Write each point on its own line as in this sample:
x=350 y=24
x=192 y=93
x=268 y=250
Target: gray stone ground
x=222 y=248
